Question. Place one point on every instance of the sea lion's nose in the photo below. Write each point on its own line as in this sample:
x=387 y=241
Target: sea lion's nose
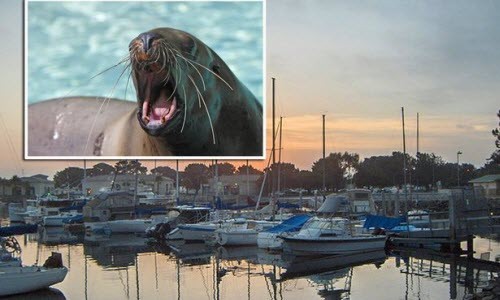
x=147 y=39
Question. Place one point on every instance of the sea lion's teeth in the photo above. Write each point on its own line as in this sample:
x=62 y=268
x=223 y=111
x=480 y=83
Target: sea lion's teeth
x=163 y=120
x=145 y=106
x=145 y=119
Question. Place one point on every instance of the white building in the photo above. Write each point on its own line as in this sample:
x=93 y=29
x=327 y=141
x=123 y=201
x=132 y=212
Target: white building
x=490 y=184
x=160 y=185
x=236 y=185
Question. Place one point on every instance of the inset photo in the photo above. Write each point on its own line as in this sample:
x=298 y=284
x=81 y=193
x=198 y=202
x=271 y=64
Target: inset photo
x=161 y=79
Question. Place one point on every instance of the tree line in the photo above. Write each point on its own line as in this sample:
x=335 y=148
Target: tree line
x=425 y=170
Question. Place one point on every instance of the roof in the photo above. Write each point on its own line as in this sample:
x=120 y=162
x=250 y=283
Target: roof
x=486 y=178
x=39 y=178
x=125 y=177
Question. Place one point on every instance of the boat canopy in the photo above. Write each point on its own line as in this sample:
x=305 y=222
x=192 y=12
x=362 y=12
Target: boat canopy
x=292 y=224
x=382 y=222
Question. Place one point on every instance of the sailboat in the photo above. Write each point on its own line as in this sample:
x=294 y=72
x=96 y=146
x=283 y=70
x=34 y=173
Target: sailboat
x=17 y=279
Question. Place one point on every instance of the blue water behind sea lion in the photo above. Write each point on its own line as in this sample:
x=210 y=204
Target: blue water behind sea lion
x=69 y=42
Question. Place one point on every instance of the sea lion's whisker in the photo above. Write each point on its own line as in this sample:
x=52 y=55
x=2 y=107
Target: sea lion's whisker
x=201 y=77
x=213 y=73
x=161 y=53
x=185 y=109
x=173 y=92
x=107 y=69
x=128 y=81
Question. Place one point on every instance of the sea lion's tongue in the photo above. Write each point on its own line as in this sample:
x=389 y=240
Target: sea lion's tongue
x=160 y=107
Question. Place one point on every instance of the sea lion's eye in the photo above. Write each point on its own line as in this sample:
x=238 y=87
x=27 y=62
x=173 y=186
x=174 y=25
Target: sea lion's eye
x=216 y=69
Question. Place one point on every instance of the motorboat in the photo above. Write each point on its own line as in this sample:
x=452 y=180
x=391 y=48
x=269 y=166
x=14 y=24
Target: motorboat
x=242 y=234
x=268 y=239
x=133 y=225
x=15 y=212
x=97 y=228
x=329 y=236
x=62 y=218
x=205 y=231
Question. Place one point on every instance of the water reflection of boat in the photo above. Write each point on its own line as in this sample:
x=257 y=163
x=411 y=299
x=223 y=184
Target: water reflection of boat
x=191 y=253
x=56 y=236
x=115 y=251
x=46 y=294
x=304 y=266
x=238 y=253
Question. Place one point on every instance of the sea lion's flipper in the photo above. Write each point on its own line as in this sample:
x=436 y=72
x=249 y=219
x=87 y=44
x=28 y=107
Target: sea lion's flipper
x=61 y=127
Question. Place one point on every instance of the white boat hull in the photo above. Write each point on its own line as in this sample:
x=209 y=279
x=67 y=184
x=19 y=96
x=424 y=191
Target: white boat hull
x=16 y=213
x=27 y=279
x=237 y=237
x=56 y=220
x=269 y=240
x=174 y=235
x=298 y=245
x=131 y=226
x=196 y=232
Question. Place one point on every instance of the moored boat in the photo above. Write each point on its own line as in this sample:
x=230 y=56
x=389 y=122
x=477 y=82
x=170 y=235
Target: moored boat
x=205 y=231
x=62 y=218
x=132 y=226
x=24 y=279
x=242 y=235
x=18 y=279
x=329 y=236
x=269 y=239
x=15 y=212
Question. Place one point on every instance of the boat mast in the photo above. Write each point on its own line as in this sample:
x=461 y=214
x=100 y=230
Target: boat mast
x=279 y=157
x=248 y=181
x=135 y=185
x=84 y=187
x=418 y=152
x=404 y=160
x=324 y=162
x=177 y=182
x=273 y=152
x=216 y=183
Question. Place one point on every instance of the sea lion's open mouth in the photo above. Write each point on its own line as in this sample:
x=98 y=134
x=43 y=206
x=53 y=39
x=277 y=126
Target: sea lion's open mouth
x=158 y=105
x=157 y=91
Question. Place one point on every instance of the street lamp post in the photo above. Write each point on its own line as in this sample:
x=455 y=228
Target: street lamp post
x=458 y=167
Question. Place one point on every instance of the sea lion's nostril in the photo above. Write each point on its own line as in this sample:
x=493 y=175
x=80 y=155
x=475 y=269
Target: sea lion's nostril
x=147 y=39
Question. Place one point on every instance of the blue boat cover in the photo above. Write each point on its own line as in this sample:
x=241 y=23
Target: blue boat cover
x=18 y=229
x=382 y=221
x=292 y=224
x=287 y=205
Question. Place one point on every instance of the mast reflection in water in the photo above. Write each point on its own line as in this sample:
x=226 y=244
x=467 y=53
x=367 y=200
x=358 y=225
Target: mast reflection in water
x=127 y=267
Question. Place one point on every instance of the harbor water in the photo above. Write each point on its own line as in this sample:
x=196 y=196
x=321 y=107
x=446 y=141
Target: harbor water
x=130 y=267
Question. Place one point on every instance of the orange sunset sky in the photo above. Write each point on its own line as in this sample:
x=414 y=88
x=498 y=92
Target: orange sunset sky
x=357 y=62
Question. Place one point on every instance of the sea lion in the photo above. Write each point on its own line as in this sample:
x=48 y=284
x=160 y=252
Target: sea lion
x=189 y=103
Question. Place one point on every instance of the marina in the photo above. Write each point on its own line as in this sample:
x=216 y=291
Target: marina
x=131 y=265
x=127 y=267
